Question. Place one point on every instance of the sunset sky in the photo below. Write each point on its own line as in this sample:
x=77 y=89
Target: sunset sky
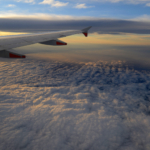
x=114 y=23
x=101 y=14
x=124 y=23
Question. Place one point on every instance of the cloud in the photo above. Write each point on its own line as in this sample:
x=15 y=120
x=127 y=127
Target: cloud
x=67 y=106
x=148 y=4
x=11 y=5
x=47 y=2
x=54 y=3
x=42 y=16
x=81 y=6
x=135 y=2
x=129 y=1
x=124 y=1
x=26 y=1
x=40 y=22
x=144 y=18
x=60 y=4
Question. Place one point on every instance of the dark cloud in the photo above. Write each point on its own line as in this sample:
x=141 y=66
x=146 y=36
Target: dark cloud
x=103 y=26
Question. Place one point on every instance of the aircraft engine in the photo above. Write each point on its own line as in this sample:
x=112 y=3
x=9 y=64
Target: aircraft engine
x=54 y=42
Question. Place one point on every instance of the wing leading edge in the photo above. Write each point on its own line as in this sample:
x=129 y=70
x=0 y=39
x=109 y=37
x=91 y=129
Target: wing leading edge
x=48 y=38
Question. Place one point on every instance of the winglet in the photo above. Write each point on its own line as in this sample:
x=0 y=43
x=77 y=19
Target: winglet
x=85 y=31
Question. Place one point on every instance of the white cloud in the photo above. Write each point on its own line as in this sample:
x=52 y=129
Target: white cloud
x=54 y=105
x=47 y=2
x=26 y=1
x=45 y=16
x=81 y=6
x=59 y=4
x=148 y=4
x=145 y=18
x=125 y=1
x=54 y=3
x=11 y=5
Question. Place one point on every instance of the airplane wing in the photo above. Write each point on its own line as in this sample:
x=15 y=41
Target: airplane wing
x=48 y=38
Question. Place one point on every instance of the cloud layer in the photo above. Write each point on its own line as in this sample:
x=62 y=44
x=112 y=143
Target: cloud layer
x=135 y=2
x=32 y=23
x=56 y=105
x=82 y=6
x=146 y=2
x=26 y=1
x=54 y=3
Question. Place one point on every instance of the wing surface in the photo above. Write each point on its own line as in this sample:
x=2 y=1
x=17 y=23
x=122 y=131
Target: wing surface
x=9 y=42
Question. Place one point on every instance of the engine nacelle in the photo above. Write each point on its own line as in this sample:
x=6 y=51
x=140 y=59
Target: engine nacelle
x=54 y=42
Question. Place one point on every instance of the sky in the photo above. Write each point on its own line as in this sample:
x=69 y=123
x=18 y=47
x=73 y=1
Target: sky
x=114 y=9
x=106 y=16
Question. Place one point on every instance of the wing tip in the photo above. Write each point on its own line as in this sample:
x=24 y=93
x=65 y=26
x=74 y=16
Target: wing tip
x=85 y=31
x=86 y=34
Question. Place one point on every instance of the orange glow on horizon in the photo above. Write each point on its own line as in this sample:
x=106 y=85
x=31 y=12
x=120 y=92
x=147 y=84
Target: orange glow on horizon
x=95 y=38
x=10 y=33
x=109 y=39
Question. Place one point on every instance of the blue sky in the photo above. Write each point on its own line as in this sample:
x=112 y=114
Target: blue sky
x=116 y=9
